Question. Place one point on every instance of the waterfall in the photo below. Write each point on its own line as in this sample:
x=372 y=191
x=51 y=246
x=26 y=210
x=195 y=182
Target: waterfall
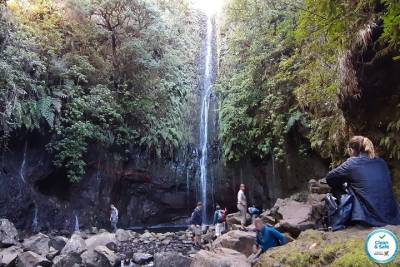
x=76 y=228
x=98 y=170
x=273 y=185
x=207 y=84
x=187 y=187
x=35 y=222
x=22 y=168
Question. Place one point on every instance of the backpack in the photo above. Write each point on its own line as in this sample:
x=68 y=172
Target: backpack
x=338 y=215
x=195 y=214
x=221 y=216
x=190 y=219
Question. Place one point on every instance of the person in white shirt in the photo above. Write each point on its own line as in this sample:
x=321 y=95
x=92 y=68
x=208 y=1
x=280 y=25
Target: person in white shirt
x=114 y=218
x=242 y=204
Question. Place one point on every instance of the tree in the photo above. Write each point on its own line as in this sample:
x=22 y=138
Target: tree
x=56 y=59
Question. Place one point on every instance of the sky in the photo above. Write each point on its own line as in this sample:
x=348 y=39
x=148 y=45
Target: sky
x=208 y=6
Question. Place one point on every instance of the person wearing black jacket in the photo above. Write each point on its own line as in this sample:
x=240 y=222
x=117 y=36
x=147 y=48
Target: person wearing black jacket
x=369 y=179
x=196 y=221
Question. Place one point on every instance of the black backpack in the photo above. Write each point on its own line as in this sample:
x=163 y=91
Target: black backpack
x=338 y=212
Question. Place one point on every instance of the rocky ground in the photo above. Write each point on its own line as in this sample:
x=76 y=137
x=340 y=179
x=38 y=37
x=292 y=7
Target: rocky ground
x=92 y=248
x=298 y=216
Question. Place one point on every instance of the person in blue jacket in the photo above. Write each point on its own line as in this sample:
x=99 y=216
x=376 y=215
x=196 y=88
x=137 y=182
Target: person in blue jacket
x=254 y=212
x=369 y=179
x=267 y=237
x=196 y=222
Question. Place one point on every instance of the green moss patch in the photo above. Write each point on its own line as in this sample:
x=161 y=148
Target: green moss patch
x=315 y=249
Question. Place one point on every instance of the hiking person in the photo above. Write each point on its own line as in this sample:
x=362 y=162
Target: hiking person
x=196 y=221
x=254 y=212
x=114 y=218
x=242 y=205
x=369 y=182
x=267 y=237
x=219 y=220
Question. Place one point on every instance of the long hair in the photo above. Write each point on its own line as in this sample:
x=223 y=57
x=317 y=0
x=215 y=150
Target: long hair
x=360 y=144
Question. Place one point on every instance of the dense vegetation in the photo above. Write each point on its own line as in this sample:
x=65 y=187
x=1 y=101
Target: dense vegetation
x=288 y=65
x=114 y=73
x=107 y=72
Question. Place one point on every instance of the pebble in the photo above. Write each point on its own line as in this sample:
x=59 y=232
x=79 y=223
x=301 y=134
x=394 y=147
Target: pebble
x=166 y=242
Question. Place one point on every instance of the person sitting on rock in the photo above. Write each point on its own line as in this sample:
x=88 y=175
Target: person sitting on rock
x=219 y=220
x=196 y=221
x=368 y=177
x=254 y=212
x=267 y=237
x=114 y=218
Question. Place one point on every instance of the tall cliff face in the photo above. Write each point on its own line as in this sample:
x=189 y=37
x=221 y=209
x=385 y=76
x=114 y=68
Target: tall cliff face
x=145 y=190
x=369 y=96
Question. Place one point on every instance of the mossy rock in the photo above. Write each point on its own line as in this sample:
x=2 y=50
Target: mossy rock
x=314 y=248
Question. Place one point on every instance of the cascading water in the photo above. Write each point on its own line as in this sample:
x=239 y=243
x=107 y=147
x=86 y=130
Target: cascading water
x=207 y=84
x=76 y=228
x=187 y=187
x=22 y=168
x=35 y=222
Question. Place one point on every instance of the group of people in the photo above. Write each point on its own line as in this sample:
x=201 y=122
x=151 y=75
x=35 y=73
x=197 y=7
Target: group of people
x=368 y=179
x=365 y=175
x=266 y=237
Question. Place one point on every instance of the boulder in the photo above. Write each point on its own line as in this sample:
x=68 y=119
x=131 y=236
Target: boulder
x=122 y=235
x=8 y=234
x=38 y=243
x=160 y=236
x=219 y=257
x=67 y=260
x=142 y=258
x=235 y=227
x=31 y=259
x=93 y=259
x=103 y=239
x=318 y=187
x=237 y=240
x=294 y=216
x=111 y=258
x=171 y=259
x=166 y=242
x=52 y=253
x=102 y=231
x=9 y=255
x=146 y=235
x=58 y=242
x=317 y=203
x=267 y=218
x=234 y=218
x=75 y=245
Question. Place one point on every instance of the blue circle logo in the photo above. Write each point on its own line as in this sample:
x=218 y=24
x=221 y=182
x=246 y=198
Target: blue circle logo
x=382 y=246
